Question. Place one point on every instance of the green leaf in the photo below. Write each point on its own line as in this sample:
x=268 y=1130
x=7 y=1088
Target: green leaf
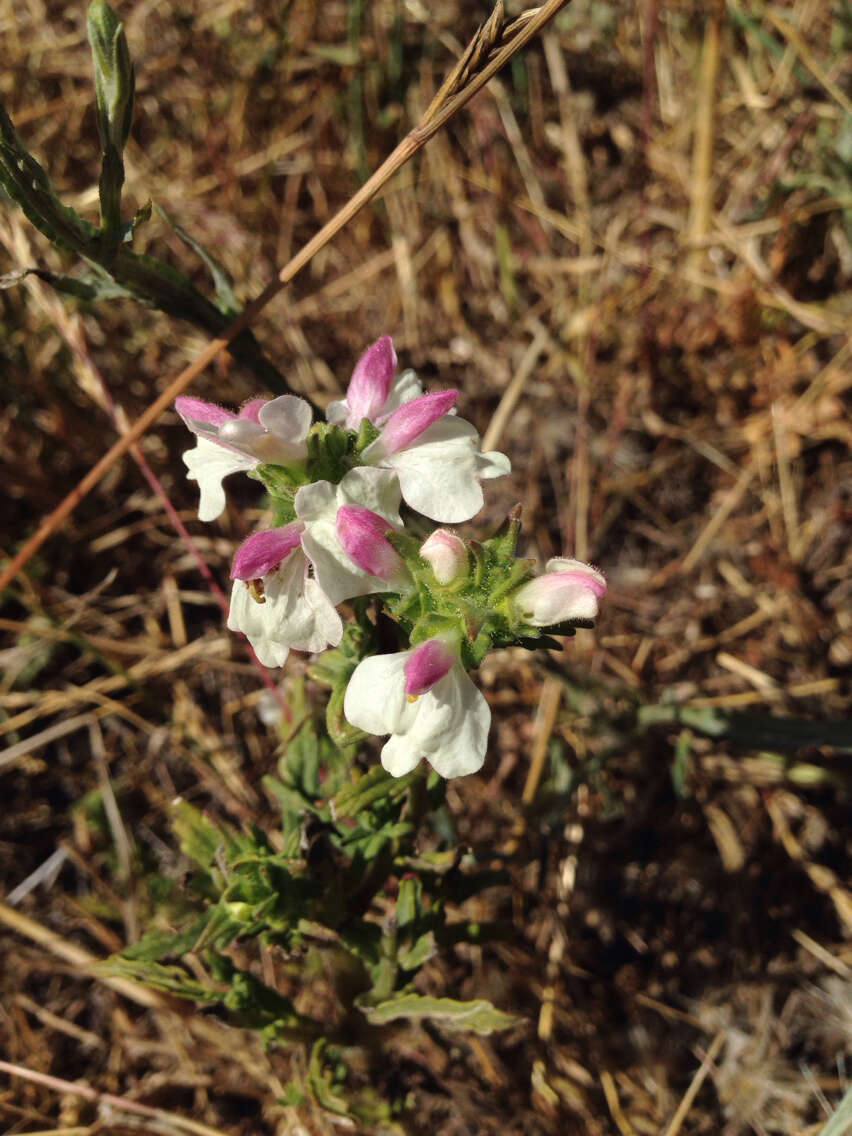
x=114 y=79
x=170 y=979
x=321 y=1081
x=370 y=788
x=420 y=951
x=114 y=92
x=226 y=300
x=29 y=187
x=157 y=944
x=84 y=288
x=479 y=1016
x=341 y=731
x=408 y=903
x=200 y=839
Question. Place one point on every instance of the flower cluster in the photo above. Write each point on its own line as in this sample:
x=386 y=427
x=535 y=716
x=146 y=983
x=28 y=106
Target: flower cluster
x=337 y=488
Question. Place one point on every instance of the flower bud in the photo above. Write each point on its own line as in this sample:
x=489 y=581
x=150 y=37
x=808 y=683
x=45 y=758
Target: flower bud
x=371 y=381
x=568 y=590
x=446 y=554
x=114 y=80
x=426 y=665
x=361 y=533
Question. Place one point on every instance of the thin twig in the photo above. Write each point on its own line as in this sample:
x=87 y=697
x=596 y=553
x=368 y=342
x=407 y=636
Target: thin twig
x=84 y=961
x=121 y=1104
x=433 y=121
x=695 y=1084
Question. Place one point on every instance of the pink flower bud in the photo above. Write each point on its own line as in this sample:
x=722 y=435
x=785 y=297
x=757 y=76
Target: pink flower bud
x=361 y=533
x=568 y=590
x=413 y=417
x=371 y=381
x=264 y=551
x=446 y=554
x=426 y=665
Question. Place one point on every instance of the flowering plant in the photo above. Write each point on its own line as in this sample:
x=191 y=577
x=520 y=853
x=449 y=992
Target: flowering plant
x=336 y=490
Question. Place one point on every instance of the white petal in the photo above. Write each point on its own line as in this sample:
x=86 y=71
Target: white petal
x=400 y=756
x=438 y=472
x=377 y=489
x=452 y=725
x=313 y=623
x=288 y=417
x=208 y=463
x=405 y=387
x=375 y=698
x=299 y=613
x=296 y=613
x=312 y=502
x=253 y=619
x=336 y=412
x=492 y=464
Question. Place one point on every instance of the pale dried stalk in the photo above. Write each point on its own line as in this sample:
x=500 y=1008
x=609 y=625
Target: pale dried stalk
x=497 y=47
x=167 y=1121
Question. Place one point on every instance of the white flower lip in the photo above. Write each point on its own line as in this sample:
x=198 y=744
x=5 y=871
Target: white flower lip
x=448 y=724
x=264 y=431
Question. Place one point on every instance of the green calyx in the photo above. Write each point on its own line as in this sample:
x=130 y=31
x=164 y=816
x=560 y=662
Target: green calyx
x=475 y=607
x=332 y=452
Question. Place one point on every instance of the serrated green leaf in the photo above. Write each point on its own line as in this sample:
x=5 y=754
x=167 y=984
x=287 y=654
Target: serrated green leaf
x=479 y=1016
x=200 y=840
x=29 y=187
x=370 y=788
x=170 y=979
x=157 y=943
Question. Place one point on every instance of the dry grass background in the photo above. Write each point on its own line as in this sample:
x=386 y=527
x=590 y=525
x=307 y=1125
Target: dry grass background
x=633 y=255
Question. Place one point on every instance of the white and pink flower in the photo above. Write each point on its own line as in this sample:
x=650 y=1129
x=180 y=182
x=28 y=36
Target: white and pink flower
x=344 y=533
x=273 y=432
x=426 y=701
x=568 y=590
x=435 y=455
x=275 y=601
